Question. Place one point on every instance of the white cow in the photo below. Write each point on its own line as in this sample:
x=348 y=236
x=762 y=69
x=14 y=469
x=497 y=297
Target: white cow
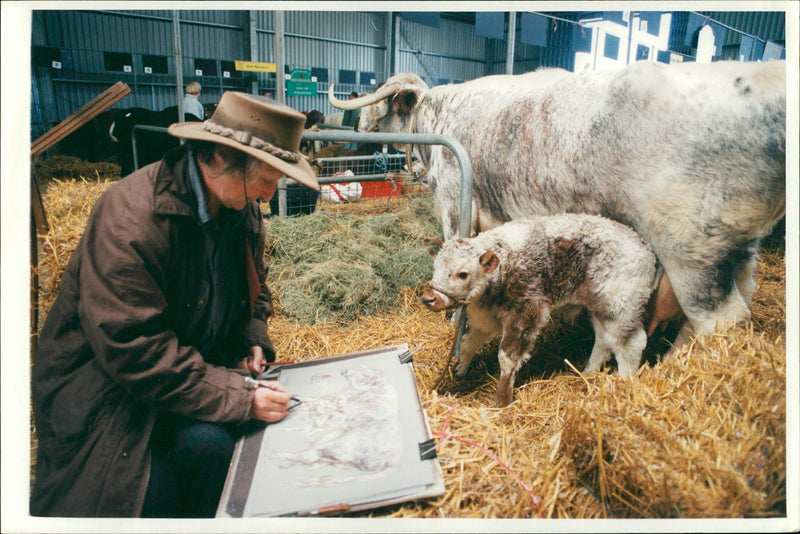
x=691 y=156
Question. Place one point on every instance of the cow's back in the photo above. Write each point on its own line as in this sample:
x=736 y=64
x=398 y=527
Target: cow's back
x=613 y=142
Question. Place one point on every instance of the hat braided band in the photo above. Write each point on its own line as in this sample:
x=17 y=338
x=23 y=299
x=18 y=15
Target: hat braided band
x=246 y=138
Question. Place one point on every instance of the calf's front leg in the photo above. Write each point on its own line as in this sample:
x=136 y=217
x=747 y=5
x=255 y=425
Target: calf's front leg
x=519 y=336
x=481 y=328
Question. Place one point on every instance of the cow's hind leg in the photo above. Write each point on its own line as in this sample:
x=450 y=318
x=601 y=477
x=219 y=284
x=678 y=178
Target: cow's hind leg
x=625 y=337
x=745 y=281
x=711 y=297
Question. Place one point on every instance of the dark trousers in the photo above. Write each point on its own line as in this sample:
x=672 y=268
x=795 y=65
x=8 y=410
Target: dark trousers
x=189 y=463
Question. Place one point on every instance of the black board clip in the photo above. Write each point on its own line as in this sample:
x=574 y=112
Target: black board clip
x=405 y=357
x=427 y=449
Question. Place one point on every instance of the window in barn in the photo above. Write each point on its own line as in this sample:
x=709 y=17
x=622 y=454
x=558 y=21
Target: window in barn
x=367 y=78
x=611 y=49
x=321 y=74
x=229 y=69
x=347 y=76
x=118 y=61
x=46 y=56
x=155 y=64
x=205 y=67
x=642 y=52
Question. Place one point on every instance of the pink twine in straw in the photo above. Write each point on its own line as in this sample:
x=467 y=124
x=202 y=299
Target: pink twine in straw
x=443 y=435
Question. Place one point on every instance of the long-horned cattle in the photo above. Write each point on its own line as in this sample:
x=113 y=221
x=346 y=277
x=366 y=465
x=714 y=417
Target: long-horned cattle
x=692 y=156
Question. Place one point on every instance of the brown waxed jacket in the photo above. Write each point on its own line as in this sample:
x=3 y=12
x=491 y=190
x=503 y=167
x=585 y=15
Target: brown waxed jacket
x=148 y=318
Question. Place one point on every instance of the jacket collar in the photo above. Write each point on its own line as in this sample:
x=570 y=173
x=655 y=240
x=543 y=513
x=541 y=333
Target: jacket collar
x=196 y=181
x=173 y=193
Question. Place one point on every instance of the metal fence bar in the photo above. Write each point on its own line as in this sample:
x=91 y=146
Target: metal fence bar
x=142 y=127
x=465 y=203
x=323 y=126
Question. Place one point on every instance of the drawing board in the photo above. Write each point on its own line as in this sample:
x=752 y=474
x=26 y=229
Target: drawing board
x=359 y=439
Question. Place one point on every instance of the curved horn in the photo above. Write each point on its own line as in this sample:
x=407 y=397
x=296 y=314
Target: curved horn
x=366 y=100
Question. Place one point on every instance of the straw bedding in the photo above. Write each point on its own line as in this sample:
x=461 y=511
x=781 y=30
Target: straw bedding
x=700 y=434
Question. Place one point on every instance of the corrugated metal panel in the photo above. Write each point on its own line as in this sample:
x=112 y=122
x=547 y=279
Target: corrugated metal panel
x=559 y=51
x=451 y=52
x=765 y=25
x=527 y=58
x=350 y=26
x=335 y=40
x=768 y=25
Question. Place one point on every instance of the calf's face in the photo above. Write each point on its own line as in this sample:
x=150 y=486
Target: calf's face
x=459 y=273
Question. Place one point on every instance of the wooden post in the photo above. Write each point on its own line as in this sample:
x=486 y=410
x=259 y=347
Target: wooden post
x=105 y=100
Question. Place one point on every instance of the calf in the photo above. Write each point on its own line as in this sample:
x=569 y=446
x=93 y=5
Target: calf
x=512 y=277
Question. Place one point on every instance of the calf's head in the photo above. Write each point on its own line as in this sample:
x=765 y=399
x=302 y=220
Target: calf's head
x=460 y=273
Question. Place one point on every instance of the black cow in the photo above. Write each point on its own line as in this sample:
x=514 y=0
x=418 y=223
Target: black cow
x=91 y=141
x=313 y=117
x=150 y=146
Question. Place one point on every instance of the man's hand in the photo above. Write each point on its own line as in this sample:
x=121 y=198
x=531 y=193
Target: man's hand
x=270 y=402
x=256 y=363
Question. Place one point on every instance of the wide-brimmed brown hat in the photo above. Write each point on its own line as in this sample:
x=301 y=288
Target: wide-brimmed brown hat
x=258 y=126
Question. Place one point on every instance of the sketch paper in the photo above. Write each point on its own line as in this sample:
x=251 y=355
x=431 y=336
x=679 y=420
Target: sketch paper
x=354 y=439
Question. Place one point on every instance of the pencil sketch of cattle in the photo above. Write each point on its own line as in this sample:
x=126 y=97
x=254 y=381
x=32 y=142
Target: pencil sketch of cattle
x=512 y=277
x=692 y=156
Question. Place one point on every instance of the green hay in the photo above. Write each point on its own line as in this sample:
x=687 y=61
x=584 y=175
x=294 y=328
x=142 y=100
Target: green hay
x=69 y=167
x=347 y=290
x=336 y=269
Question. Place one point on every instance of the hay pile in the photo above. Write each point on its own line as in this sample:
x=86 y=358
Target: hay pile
x=69 y=167
x=67 y=205
x=698 y=435
x=335 y=269
x=701 y=434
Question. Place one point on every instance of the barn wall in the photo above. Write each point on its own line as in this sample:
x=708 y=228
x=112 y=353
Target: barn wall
x=527 y=57
x=451 y=52
x=333 y=40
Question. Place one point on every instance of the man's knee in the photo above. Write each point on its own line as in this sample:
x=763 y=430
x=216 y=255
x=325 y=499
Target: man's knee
x=205 y=442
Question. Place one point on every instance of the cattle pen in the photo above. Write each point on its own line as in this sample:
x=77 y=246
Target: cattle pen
x=699 y=435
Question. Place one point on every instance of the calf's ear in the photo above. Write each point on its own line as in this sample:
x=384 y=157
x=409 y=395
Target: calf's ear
x=432 y=245
x=489 y=261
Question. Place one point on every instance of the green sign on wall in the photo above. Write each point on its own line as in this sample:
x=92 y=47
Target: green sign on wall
x=300 y=84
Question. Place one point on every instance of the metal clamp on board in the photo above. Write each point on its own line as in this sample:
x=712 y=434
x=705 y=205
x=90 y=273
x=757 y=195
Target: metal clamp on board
x=405 y=357
x=427 y=449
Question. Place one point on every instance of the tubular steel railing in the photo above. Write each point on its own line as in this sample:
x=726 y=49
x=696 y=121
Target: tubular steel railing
x=465 y=200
